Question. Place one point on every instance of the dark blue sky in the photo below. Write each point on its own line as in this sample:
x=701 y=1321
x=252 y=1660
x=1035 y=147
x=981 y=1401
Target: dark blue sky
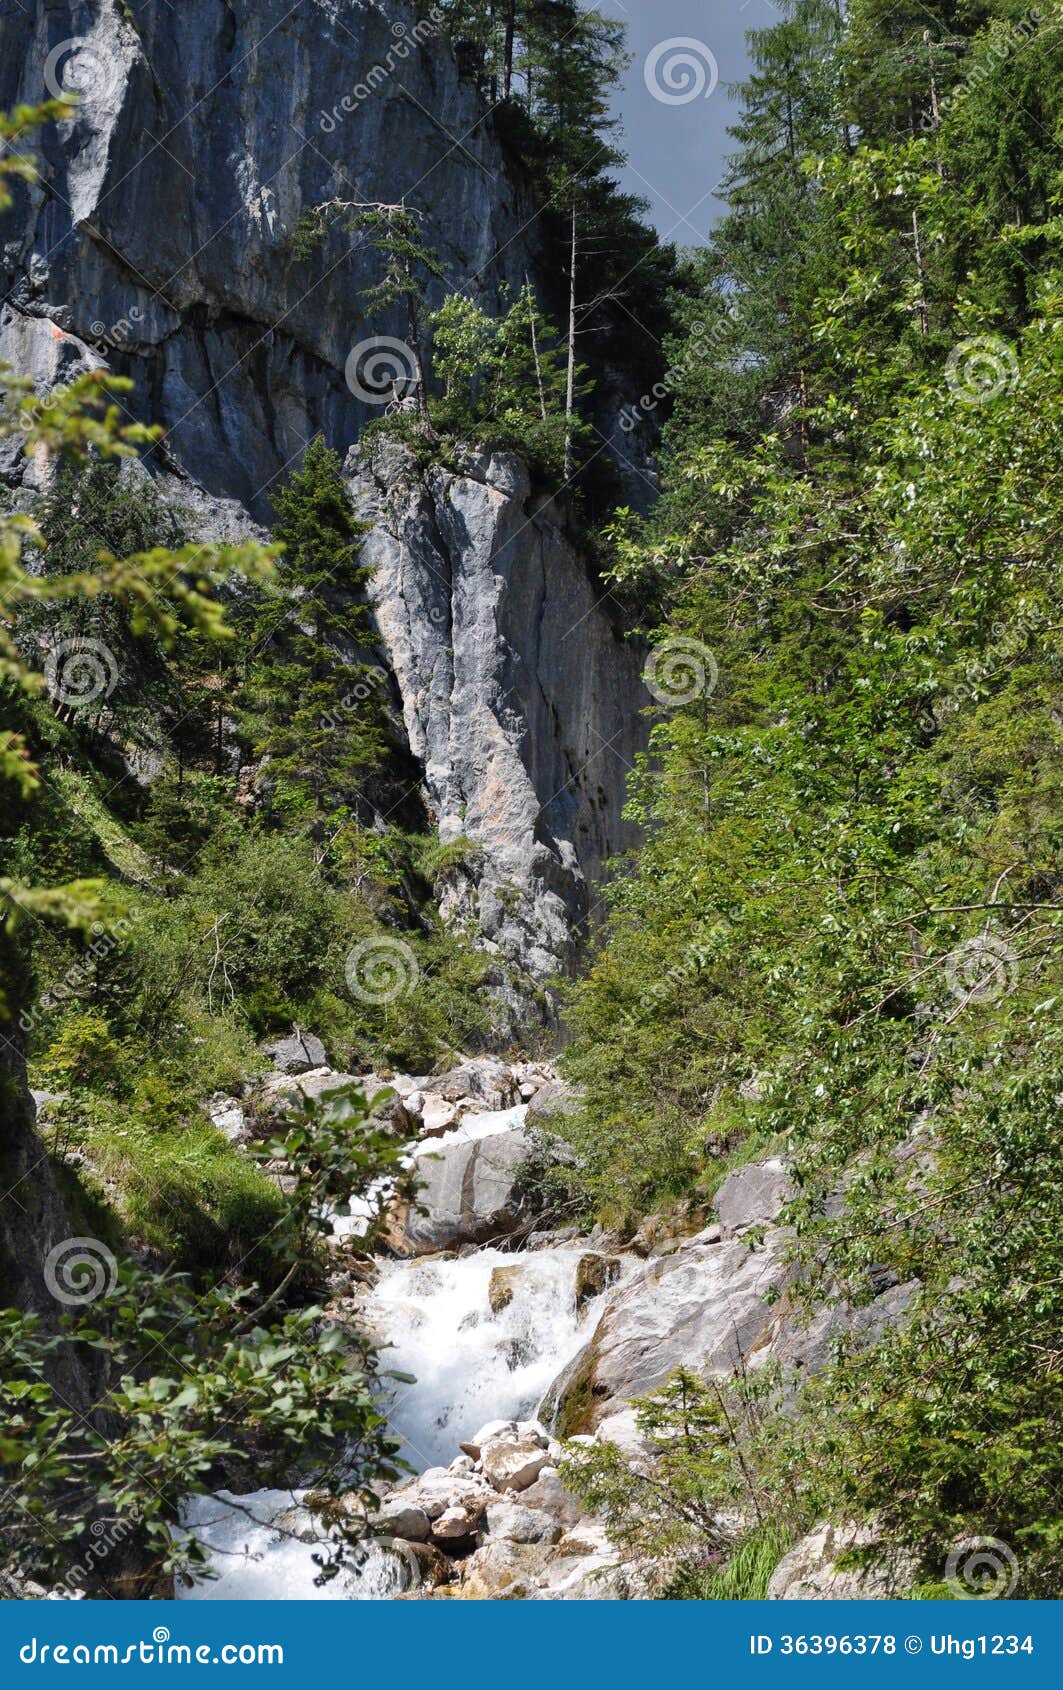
x=676 y=137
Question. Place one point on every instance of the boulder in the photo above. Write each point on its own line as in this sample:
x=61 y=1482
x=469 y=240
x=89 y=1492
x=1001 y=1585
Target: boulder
x=705 y=1308
x=809 y=1571
x=484 y=1081
x=227 y=1115
x=517 y=1524
x=493 y=1429
x=278 y=1092
x=752 y=1196
x=622 y=1430
x=438 y=1490
x=437 y=1115
x=402 y=1520
x=502 y=1285
x=455 y=1525
x=513 y=1461
x=549 y=1495
x=468 y=1195
x=710 y=1307
x=503 y=1571
x=296 y=1054
x=593 y=1274
x=550 y=1104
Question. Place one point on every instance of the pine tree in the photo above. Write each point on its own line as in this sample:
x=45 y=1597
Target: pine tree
x=766 y=262
x=317 y=704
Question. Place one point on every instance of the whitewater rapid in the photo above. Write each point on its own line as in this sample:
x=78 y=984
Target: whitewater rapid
x=470 y=1364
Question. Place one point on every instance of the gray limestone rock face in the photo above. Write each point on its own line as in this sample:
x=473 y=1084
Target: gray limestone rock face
x=520 y=697
x=159 y=235
x=712 y=1306
x=809 y=1571
x=158 y=244
x=705 y=1308
x=752 y=1196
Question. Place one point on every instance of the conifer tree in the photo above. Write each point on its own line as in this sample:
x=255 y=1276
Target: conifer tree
x=318 y=707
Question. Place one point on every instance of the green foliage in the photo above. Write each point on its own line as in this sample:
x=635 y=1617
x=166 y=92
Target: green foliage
x=673 y=1512
x=317 y=713
x=200 y=1380
x=503 y=379
x=843 y=936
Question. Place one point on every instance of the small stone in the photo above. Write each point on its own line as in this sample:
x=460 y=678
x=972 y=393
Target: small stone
x=453 y=1524
x=403 y=1520
x=513 y=1463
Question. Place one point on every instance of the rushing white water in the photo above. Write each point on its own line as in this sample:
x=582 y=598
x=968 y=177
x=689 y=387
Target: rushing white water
x=471 y=1365
x=262 y=1549
x=471 y=1127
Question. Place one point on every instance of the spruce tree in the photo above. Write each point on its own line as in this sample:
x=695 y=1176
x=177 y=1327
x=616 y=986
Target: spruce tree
x=317 y=701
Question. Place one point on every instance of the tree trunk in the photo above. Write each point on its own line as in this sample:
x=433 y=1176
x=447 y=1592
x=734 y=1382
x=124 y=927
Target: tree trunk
x=570 y=392
x=535 y=351
x=507 y=65
x=924 y=303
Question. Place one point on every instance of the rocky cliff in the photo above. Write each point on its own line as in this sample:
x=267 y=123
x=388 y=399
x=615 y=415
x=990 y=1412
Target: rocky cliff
x=521 y=698
x=160 y=233
x=158 y=242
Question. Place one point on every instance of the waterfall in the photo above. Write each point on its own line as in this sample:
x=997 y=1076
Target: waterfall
x=471 y=1365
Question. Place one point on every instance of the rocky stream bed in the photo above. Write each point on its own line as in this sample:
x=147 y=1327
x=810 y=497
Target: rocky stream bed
x=515 y=1336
